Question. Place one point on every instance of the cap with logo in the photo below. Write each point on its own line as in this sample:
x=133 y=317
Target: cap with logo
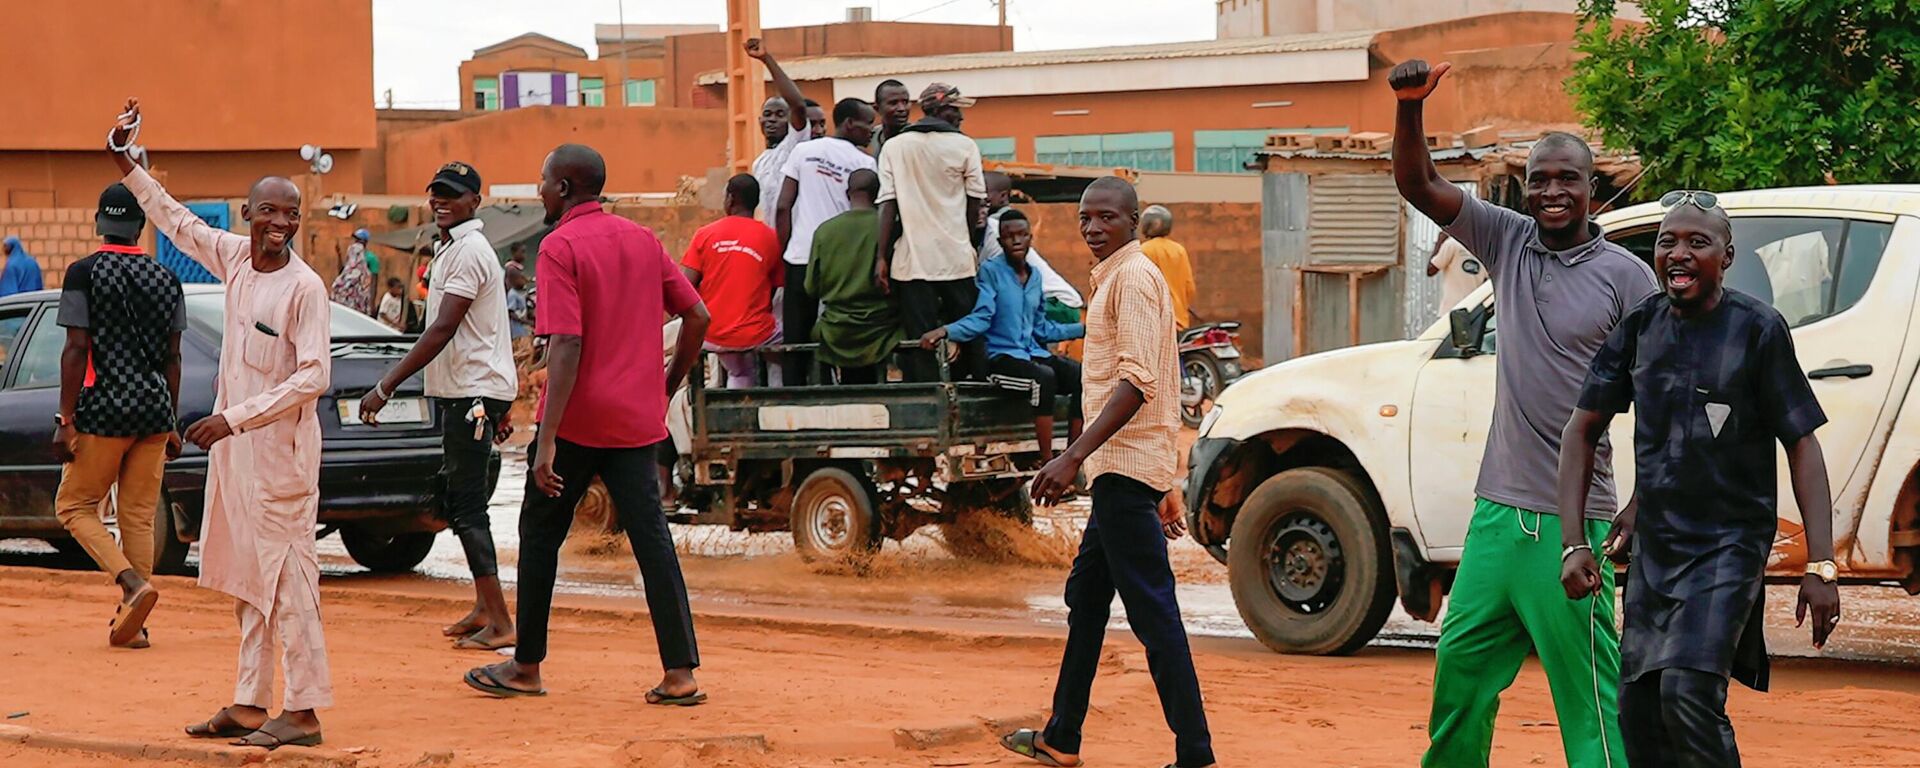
x=119 y=215
x=459 y=177
x=940 y=95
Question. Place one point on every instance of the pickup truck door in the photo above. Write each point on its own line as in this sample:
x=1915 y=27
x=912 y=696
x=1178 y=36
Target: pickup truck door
x=1823 y=273
x=1452 y=408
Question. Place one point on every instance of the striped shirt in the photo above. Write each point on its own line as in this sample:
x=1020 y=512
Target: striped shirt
x=1130 y=338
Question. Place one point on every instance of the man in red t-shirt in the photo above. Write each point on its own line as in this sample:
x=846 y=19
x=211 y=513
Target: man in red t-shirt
x=735 y=263
x=605 y=282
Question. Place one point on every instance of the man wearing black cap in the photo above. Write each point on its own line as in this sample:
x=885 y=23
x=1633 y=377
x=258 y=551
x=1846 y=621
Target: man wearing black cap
x=124 y=312
x=467 y=352
x=932 y=192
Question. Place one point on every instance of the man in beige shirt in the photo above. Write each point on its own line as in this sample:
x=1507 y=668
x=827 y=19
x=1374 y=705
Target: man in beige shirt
x=932 y=193
x=1132 y=381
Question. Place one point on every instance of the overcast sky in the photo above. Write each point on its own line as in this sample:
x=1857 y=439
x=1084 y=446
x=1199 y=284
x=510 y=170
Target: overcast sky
x=418 y=44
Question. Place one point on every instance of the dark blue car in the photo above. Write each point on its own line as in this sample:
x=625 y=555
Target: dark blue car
x=380 y=487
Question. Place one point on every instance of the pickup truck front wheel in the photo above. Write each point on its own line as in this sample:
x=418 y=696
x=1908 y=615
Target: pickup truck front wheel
x=397 y=553
x=1309 y=564
x=833 y=516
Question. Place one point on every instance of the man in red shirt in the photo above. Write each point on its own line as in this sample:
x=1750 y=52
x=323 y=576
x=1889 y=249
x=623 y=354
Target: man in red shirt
x=605 y=282
x=735 y=263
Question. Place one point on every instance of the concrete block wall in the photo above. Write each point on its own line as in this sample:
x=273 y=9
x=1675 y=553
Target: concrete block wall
x=57 y=237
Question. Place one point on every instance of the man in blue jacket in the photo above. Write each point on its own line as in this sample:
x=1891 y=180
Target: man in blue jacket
x=1011 y=315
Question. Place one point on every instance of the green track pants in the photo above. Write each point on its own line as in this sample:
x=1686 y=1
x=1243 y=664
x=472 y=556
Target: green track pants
x=1506 y=601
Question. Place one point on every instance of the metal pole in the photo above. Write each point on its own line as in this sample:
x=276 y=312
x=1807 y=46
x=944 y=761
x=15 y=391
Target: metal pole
x=623 y=55
x=746 y=87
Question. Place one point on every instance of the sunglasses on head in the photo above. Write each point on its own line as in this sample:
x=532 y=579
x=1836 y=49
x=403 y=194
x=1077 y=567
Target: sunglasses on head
x=1700 y=199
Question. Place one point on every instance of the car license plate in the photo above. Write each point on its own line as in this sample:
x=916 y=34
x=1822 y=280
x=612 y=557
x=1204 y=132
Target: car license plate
x=407 y=410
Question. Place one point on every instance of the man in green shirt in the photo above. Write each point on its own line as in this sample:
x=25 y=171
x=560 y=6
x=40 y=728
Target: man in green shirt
x=857 y=329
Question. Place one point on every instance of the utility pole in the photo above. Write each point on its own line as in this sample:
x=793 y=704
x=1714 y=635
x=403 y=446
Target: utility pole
x=745 y=86
x=1006 y=35
x=623 y=56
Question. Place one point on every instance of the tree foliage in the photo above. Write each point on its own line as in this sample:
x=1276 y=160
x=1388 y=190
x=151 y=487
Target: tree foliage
x=1734 y=94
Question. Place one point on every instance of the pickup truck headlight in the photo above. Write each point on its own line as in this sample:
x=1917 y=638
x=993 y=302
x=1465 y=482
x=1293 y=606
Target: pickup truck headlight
x=1206 y=422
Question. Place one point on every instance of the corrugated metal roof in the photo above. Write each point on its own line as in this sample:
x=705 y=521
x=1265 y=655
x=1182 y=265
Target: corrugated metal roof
x=840 y=68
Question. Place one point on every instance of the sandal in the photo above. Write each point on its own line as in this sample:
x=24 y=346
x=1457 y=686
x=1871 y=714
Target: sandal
x=261 y=737
x=662 y=698
x=133 y=615
x=1024 y=742
x=469 y=643
x=483 y=680
x=214 y=729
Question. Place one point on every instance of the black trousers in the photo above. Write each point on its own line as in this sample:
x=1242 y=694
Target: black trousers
x=464 y=460
x=634 y=484
x=865 y=374
x=1677 y=718
x=1124 y=551
x=798 y=311
x=1043 y=379
x=929 y=304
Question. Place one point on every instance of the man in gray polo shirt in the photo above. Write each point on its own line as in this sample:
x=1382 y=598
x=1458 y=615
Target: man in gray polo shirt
x=1559 y=287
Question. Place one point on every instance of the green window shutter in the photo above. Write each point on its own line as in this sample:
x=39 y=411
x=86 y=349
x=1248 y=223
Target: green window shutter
x=1002 y=149
x=486 y=93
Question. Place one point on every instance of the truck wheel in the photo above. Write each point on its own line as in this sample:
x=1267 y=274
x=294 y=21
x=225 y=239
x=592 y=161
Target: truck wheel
x=387 y=554
x=169 y=552
x=832 y=516
x=1309 y=564
x=976 y=517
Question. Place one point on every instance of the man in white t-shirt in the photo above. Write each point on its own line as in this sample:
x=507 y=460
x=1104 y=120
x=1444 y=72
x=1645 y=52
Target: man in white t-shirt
x=815 y=190
x=783 y=120
x=1463 y=272
x=467 y=351
x=932 y=192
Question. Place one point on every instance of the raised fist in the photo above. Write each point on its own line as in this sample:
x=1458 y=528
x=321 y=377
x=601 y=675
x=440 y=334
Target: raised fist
x=756 y=49
x=1413 y=80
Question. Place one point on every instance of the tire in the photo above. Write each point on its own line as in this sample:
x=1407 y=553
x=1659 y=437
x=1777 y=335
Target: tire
x=832 y=516
x=1199 y=365
x=387 y=554
x=965 y=536
x=169 y=552
x=1309 y=565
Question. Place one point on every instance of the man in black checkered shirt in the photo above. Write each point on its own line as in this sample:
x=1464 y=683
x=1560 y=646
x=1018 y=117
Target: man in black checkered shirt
x=119 y=396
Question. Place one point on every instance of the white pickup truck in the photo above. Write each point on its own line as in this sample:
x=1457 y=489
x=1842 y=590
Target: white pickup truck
x=1332 y=483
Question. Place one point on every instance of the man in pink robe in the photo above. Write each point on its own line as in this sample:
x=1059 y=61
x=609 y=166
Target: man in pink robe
x=263 y=439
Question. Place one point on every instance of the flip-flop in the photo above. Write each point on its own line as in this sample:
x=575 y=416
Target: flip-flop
x=481 y=679
x=139 y=642
x=207 y=730
x=261 y=737
x=133 y=616
x=1022 y=743
x=468 y=643
x=660 y=698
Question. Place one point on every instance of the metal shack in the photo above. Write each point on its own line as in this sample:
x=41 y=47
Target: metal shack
x=1344 y=258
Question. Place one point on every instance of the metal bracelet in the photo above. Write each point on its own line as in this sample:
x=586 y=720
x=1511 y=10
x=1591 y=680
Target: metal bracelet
x=379 y=388
x=1568 y=552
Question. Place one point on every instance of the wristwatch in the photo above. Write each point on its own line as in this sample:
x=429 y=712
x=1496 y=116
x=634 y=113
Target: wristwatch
x=60 y=420
x=1825 y=569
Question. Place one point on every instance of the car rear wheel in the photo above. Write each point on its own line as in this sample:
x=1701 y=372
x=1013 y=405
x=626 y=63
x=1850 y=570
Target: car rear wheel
x=833 y=516
x=169 y=552
x=1309 y=565
x=387 y=554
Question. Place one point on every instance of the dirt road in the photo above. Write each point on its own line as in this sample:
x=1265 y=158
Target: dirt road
x=814 y=690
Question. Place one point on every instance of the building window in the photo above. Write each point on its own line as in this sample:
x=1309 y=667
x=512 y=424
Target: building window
x=1139 y=151
x=640 y=93
x=593 y=92
x=1001 y=149
x=1230 y=151
x=486 y=93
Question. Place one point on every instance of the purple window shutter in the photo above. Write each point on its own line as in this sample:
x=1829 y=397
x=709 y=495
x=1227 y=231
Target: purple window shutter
x=510 y=90
x=560 y=96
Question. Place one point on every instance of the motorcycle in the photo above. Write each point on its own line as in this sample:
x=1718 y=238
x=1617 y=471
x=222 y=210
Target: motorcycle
x=1209 y=361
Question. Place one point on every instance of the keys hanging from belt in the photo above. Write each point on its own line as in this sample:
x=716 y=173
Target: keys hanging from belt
x=477 y=416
